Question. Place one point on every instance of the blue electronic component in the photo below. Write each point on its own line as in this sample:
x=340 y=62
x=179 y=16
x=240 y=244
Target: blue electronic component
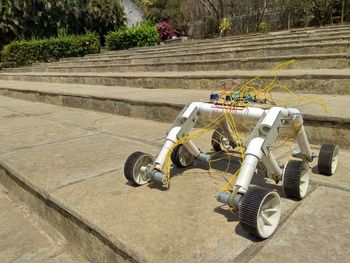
x=214 y=96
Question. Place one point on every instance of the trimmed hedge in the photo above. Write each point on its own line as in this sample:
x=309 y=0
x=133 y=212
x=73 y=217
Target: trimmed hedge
x=19 y=53
x=137 y=36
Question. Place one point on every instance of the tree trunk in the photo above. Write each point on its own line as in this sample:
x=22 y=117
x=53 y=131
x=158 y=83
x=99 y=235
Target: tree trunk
x=222 y=7
x=260 y=15
x=215 y=10
x=289 y=20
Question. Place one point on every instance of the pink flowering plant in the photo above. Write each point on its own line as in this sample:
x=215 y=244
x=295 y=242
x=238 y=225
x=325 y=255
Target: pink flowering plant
x=165 y=30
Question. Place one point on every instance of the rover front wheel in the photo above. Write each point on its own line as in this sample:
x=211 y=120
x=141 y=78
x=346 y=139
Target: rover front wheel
x=260 y=212
x=296 y=176
x=132 y=167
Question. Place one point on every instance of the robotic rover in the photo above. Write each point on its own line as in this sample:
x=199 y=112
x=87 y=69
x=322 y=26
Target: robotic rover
x=259 y=209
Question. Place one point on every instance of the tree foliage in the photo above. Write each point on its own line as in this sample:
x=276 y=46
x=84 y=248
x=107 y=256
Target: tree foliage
x=309 y=12
x=322 y=10
x=45 y=18
x=173 y=11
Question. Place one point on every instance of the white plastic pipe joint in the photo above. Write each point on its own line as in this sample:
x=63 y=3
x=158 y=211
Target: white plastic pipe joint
x=252 y=157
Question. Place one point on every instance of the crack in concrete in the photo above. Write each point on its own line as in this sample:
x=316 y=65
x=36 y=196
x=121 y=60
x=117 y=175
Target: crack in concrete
x=10 y=109
x=6 y=153
x=330 y=185
x=69 y=183
x=92 y=128
x=129 y=138
x=20 y=114
x=25 y=128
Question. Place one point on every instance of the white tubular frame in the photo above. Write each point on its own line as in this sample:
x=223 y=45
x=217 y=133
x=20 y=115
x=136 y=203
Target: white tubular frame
x=258 y=145
x=206 y=109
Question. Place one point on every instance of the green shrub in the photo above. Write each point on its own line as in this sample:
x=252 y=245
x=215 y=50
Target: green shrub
x=19 y=53
x=137 y=36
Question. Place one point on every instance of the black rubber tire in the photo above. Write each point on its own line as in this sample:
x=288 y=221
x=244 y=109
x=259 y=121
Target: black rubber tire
x=175 y=156
x=129 y=166
x=215 y=141
x=291 y=179
x=325 y=159
x=249 y=209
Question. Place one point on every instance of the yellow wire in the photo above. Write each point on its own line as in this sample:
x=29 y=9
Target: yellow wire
x=261 y=94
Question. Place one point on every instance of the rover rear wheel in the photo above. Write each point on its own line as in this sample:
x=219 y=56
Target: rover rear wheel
x=296 y=177
x=328 y=159
x=219 y=142
x=181 y=157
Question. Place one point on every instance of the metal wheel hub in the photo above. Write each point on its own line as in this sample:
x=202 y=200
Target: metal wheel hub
x=335 y=159
x=185 y=158
x=139 y=171
x=304 y=181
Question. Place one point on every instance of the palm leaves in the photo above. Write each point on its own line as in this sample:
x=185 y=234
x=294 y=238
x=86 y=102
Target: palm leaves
x=103 y=16
x=9 y=24
x=224 y=26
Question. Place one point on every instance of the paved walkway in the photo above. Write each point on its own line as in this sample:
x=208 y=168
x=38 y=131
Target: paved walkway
x=72 y=161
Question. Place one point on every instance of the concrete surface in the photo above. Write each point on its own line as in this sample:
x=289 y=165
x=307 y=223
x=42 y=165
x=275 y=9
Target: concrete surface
x=73 y=178
x=319 y=61
x=24 y=237
x=282 y=42
x=236 y=41
x=316 y=232
x=232 y=52
x=337 y=30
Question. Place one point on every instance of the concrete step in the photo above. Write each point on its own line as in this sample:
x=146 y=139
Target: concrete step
x=112 y=58
x=332 y=37
x=217 y=46
x=309 y=56
x=327 y=81
x=164 y=105
x=130 y=56
x=328 y=61
x=307 y=36
x=67 y=165
x=225 y=53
